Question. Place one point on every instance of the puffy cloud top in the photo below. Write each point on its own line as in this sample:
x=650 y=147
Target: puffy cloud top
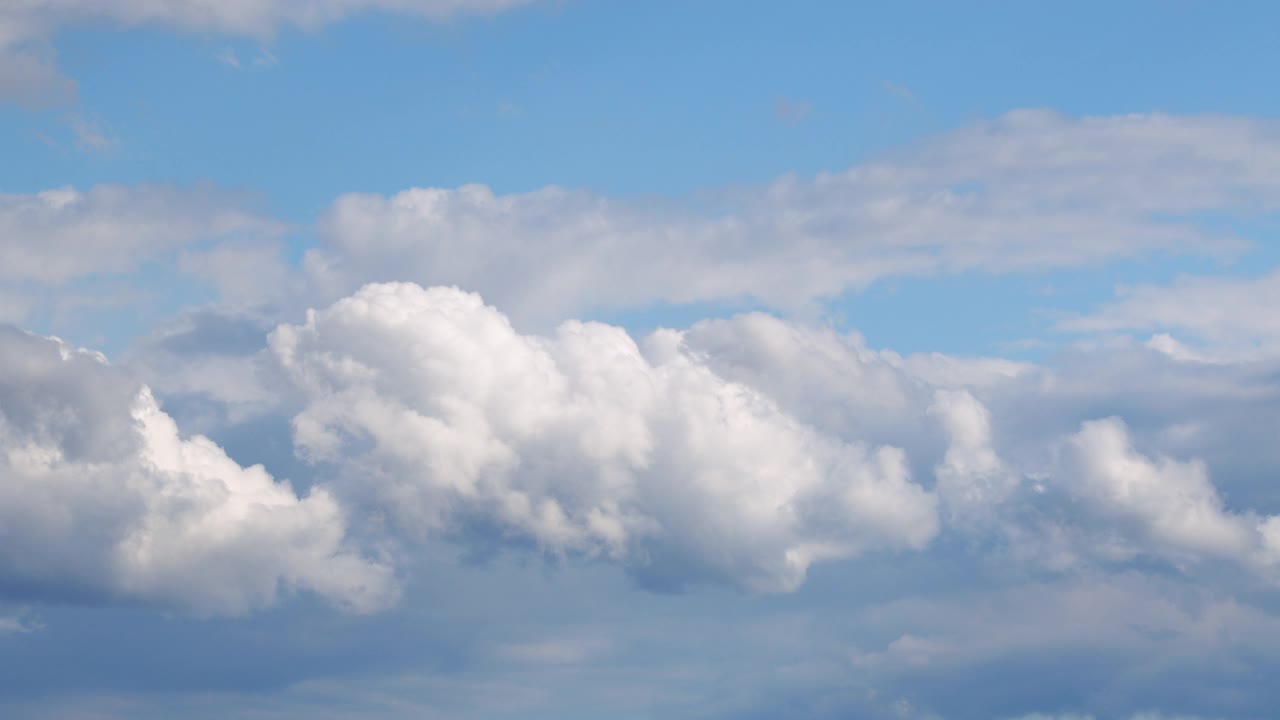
x=102 y=499
x=432 y=405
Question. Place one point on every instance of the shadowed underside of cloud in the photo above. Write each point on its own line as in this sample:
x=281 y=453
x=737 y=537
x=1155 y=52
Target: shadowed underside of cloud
x=101 y=499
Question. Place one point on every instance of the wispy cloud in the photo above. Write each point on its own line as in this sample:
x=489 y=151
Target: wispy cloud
x=89 y=134
x=898 y=90
x=792 y=112
x=18 y=624
x=263 y=59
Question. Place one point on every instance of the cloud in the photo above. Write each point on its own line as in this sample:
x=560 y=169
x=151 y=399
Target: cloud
x=570 y=649
x=264 y=59
x=60 y=234
x=899 y=90
x=89 y=135
x=32 y=80
x=1064 y=544
x=972 y=480
x=577 y=442
x=101 y=500
x=1032 y=462
x=1122 y=643
x=791 y=112
x=238 y=17
x=435 y=409
x=18 y=624
x=29 y=78
x=1029 y=190
x=1229 y=316
x=1174 y=503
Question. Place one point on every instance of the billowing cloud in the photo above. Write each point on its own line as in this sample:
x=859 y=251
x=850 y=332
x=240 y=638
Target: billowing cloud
x=1173 y=503
x=101 y=499
x=972 y=479
x=743 y=450
x=1032 y=189
x=433 y=407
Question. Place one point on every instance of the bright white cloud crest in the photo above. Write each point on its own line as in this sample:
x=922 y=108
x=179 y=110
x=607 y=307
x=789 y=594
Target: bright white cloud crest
x=1177 y=508
x=585 y=442
x=100 y=498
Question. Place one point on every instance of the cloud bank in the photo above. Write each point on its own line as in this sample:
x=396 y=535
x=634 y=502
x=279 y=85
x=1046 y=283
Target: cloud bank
x=432 y=404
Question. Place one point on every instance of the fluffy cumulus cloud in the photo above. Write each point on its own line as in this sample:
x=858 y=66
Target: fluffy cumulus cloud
x=1097 y=519
x=101 y=499
x=29 y=77
x=432 y=406
x=742 y=450
x=1172 y=503
x=1039 y=463
x=1032 y=189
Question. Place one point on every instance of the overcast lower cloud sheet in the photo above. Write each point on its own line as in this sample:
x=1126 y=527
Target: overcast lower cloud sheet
x=574 y=359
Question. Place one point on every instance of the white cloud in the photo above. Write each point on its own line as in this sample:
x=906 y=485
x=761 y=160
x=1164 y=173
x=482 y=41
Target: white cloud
x=232 y=17
x=1018 y=451
x=1232 y=316
x=60 y=234
x=1174 y=503
x=436 y=410
x=89 y=135
x=31 y=79
x=972 y=480
x=1031 y=189
x=101 y=499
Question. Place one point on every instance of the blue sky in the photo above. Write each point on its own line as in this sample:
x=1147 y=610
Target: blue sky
x=568 y=358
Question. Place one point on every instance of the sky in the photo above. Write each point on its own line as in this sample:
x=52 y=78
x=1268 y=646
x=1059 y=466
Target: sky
x=400 y=359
